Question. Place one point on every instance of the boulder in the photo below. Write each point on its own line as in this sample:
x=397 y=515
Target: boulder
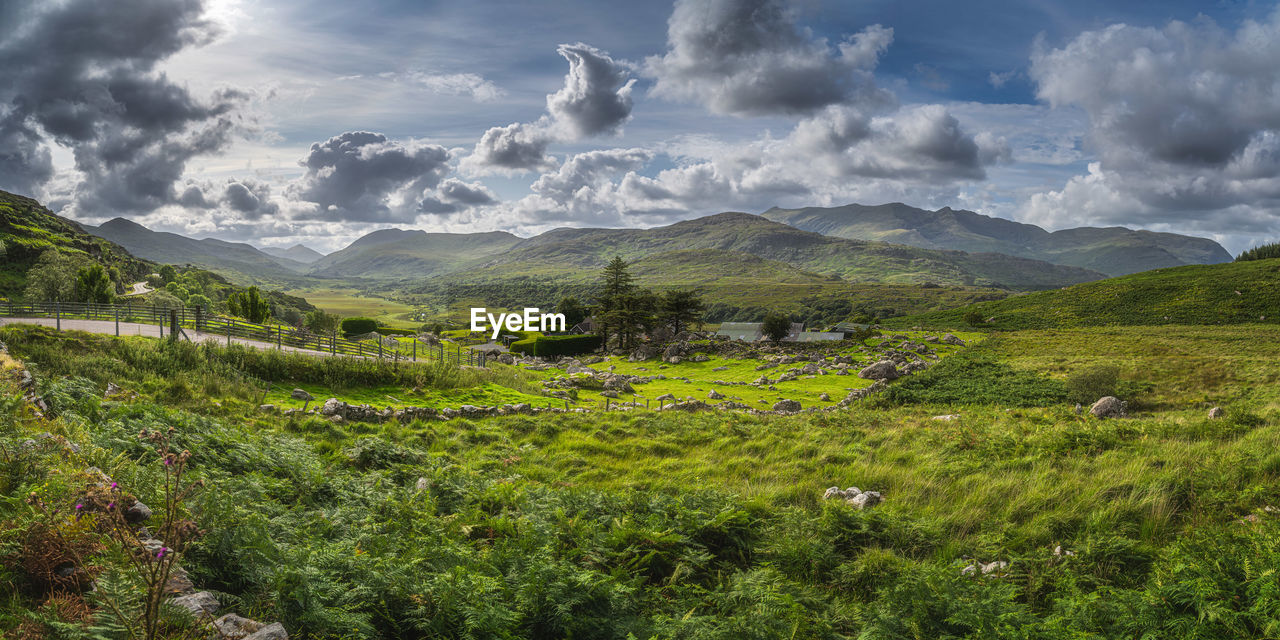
x=951 y=339
x=1109 y=407
x=199 y=604
x=715 y=395
x=137 y=513
x=267 y=408
x=112 y=390
x=824 y=396
x=883 y=370
x=1216 y=413
x=786 y=406
x=234 y=627
x=273 y=631
x=300 y=394
x=332 y=407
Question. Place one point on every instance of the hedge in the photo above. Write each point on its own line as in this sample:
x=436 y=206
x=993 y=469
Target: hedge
x=357 y=326
x=392 y=331
x=557 y=345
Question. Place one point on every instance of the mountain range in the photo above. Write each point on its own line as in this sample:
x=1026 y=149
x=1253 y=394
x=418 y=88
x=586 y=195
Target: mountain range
x=1111 y=250
x=296 y=253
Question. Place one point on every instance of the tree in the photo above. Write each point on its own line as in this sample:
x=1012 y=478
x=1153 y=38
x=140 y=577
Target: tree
x=776 y=326
x=168 y=273
x=199 y=300
x=574 y=311
x=94 y=285
x=248 y=304
x=618 y=285
x=974 y=318
x=681 y=308
x=52 y=279
x=321 y=322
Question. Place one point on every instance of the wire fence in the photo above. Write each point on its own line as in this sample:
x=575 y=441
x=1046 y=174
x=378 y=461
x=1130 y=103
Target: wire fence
x=174 y=322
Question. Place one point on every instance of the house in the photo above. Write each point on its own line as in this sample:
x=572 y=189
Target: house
x=819 y=336
x=754 y=331
x=586 y=326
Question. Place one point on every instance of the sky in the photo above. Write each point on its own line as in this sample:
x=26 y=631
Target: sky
x=278 y=122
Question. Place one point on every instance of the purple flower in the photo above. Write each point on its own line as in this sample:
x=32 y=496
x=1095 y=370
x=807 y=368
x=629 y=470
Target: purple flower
x=160 y=553
x=111 y=505
x=114 y=485
x=79 y=507
x=167 y=462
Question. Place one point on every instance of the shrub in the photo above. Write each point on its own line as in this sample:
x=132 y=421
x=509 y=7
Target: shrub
x=1088 y=385
x=392 y=331
x=357 y=326
x=557 y=345
x=974 y=318
x=974 y=378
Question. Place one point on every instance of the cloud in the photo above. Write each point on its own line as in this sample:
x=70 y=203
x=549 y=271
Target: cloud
x=454 y=195
x=998 y=80
x=250 y=198
x=469 y=85
x=1185 y=120
x=82 y=74
x=748 y=57
x=515 y=148
x=596 y=97
x=363 y=176
x=595 y=100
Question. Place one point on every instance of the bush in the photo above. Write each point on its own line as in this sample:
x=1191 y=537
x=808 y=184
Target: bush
x=557 y=345
x=974 y=318
x=357 y=326
x=392 y=331
x=1087 y=385
x=974 y=378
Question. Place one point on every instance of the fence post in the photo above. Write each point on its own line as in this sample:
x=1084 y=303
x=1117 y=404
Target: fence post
x=57 y=312
x=199 y=318
x=415 y=348
x=117 y=322
x=228 y=322
x=173 y=325
x=279 y=337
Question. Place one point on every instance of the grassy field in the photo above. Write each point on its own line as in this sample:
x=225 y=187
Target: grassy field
x=1217 y=294
x=352 y=302
x=710 y=525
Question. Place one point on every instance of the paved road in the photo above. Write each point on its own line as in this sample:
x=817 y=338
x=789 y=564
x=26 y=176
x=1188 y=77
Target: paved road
x=139 y=289
x=150 y=330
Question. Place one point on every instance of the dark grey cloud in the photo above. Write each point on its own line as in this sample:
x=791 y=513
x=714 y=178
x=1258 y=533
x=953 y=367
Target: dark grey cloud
x=596 y=98
x=514 y=148
x=193 y=198
x=82 y=73
x=250 y=198
x=363 y=176
x=454 y=195
x=25 y=161
x=748 y=57
x=1185 y=119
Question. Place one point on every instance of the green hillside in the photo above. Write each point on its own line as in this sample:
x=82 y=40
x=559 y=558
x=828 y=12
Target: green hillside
x=735 y=285
x=564 y=251
x=28 y=229
x=235 y=260
x=398 y=254
x=1113 y=250
x=1232 y=293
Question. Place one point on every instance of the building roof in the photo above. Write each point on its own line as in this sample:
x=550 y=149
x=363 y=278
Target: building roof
x=819 y=336
x=753 y=331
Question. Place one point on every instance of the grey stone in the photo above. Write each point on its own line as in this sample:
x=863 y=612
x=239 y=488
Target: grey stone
x=300 y=394
x=199 y=604
x=273 y=631
x=1216 y=413
x=883 y=370
x=137 y=513
x=787 y=406
x=1109 y=407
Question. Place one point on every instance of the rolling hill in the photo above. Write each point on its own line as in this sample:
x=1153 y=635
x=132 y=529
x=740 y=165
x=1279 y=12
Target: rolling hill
x=297 y=253
x=236 y=260
x=1234 y=293
x=401 y=254
x=28 y=229
x=562 y=252
x=1112 y=250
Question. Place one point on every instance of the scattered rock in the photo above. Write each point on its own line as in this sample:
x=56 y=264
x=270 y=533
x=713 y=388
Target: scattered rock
x=1109 y=407
x=951 y=339
x=786 y=406
x=883 y=370
x=137 y=513
x=948 y=417
x=198 y=604
x=1058 y=551
x=824 y=396
x=267 y=408
x=1216 y=413
x=300 y=394
x=854 y=496
x=715 y=395
x=234 y=627
x=113 y=389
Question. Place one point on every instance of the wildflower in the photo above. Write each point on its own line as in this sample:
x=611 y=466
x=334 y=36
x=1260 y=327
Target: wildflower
x=161 y=552
x=111 y=505
x=79 y=506
x=115 y=485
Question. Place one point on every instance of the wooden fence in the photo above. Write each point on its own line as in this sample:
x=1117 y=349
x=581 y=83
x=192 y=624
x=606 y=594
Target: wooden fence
x=174 y=321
